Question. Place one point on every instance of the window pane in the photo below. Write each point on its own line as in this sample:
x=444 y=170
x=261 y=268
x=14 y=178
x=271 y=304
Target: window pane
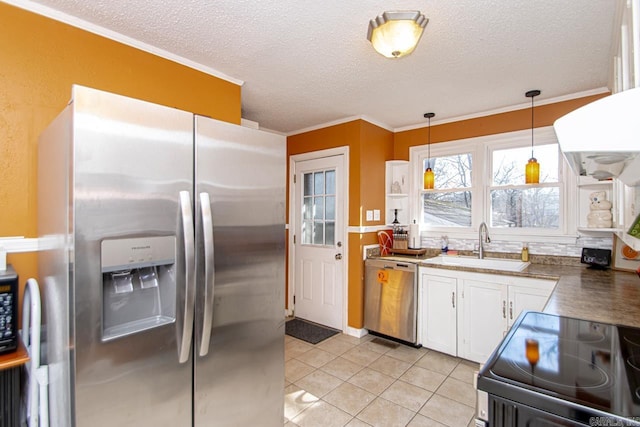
x=330 y=206
x=531 y=207
x=447 y=209
x=307 y=229
x=330 y=176
x=307 y=208
x=308 y=184
x=318 y=207
x=330 y=232
x=451 y=171
x=509 y=164
x=318 y=233
x=318 y=183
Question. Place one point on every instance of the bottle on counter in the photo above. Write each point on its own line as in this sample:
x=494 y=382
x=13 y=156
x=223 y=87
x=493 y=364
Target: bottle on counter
x=524 y=254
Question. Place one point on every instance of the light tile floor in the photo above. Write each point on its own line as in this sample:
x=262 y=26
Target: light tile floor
x=346 y=381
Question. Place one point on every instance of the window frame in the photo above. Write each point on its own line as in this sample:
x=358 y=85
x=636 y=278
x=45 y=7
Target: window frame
x=481 y=149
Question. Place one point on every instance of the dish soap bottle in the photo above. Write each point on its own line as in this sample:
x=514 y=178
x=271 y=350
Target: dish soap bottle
x=524 y=254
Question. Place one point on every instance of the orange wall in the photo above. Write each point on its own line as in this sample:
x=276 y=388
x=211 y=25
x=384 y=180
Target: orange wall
x=40 y=60
x=544 y=115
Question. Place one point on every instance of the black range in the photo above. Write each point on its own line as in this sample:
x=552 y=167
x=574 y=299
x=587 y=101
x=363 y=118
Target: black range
x=558 y=371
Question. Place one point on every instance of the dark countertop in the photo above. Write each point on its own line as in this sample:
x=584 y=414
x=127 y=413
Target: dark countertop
x=606 y=296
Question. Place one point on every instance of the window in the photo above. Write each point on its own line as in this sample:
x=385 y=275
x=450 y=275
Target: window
x=482 y=180
x=449 y=205
x=319 y=208
x=515 y=204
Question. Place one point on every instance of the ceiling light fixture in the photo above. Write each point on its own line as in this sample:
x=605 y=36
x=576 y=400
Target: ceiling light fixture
x=395 y=34
x=428 y=173
x=532 y=170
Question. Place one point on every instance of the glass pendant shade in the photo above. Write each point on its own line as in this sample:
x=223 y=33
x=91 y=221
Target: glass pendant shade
x=428 y=179
x=532 y=172
x=396 y=34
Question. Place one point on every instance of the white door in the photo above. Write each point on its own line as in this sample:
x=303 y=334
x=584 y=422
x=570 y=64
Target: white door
x=319 y=241
x=439 y=301
x=482 y=319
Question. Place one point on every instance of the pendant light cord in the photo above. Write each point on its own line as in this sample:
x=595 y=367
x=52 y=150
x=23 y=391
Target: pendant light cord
x=429 y=144
x=532 y=126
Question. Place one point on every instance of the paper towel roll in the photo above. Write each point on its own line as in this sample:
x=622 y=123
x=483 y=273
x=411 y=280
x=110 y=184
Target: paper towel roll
x=414 y=236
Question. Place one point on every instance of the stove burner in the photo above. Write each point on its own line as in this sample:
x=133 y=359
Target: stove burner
x=553 y=381
x=633 y=339
x=634 y=362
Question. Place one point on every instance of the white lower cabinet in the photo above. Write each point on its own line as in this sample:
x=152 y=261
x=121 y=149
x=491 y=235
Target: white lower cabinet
x=438 y=325
x=467 y=314
x=481 y=318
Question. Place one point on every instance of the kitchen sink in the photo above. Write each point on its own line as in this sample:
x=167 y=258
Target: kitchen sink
x=473 y=262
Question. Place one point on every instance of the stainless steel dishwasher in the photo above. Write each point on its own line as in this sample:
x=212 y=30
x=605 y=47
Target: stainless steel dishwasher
x=391 y=298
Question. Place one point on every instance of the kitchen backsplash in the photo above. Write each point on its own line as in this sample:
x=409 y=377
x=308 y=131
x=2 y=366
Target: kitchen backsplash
x=559 y=249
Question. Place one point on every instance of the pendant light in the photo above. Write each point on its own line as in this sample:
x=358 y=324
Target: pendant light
x=428 y=174
x=532 y=170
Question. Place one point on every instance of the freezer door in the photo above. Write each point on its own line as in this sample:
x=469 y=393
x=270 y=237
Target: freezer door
x=132 y=227
x=239 y=328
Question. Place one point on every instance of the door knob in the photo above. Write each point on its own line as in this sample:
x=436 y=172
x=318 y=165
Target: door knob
x=339 y=244
x=338 y=256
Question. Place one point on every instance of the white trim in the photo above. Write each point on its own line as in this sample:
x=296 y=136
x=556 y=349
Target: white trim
x=354 y=229
x=16 y=244
x=340 y=122
x=516 y=107
x=293 y=159
x=354 y=332
x=56 y=15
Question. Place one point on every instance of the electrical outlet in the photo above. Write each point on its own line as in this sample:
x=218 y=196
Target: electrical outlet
x=369 y=215
x=376 y=214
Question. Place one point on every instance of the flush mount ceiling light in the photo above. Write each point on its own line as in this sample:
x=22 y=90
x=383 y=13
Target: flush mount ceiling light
x=429 y=177
x=532 y=170
x=395 y=34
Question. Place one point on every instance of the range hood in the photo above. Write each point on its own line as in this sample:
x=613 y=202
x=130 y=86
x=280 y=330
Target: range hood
x=602 y=139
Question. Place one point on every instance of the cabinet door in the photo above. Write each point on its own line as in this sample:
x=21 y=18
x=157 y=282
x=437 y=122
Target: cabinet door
x=522 y=298
x=482 y=319
x=438 y=313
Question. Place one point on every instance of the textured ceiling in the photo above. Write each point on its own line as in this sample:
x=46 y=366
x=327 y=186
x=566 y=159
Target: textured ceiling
x=305 y=63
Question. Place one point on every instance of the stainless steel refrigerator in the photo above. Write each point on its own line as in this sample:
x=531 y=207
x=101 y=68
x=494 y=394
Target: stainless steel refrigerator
x=164 y=266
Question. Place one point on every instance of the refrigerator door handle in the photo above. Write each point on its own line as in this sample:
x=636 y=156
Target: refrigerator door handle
x=185 y=330
x=209 y=272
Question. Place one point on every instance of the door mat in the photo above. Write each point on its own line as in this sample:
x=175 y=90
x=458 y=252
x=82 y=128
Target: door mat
x=307 y=331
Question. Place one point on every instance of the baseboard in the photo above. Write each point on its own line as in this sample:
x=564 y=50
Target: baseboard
x=358 y=333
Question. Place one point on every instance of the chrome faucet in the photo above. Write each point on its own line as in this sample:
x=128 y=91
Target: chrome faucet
x=481 y=241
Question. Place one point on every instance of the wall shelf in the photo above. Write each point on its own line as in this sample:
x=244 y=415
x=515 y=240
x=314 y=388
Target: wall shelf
x=397 y=191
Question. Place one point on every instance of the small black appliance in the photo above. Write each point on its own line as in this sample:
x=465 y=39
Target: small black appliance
x=596 y=258
x=8 y=310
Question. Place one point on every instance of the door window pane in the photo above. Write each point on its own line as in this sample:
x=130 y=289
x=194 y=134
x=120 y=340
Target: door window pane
x=318 y=232
x=318 y=183
x=318 y=208
x=330 y=178
x=450 y=209
x=307 y=208
x=330 y=207
x=308 y=184
x=536 y=207
x=330 y=232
